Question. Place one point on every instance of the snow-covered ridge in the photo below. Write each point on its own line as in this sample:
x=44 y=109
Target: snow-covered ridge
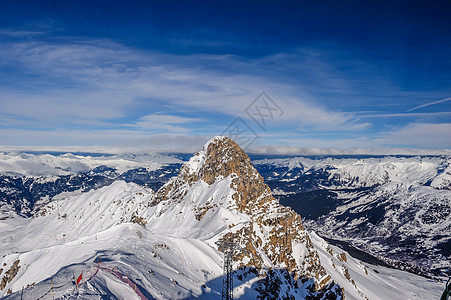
x=364 y=172
x=25 y=164
x=364 y=281
x=29 y=180
x=197 y=160
x=396 y=207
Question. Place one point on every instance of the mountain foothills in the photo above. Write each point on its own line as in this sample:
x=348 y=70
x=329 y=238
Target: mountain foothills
x=98 y=220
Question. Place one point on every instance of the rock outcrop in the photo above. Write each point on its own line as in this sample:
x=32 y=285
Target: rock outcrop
x=10 y=274
x=273 y=236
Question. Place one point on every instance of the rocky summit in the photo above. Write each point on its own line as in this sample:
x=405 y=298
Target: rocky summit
x=273 y=235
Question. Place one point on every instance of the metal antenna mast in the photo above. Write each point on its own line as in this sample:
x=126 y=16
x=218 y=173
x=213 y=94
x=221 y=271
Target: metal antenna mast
x=229 y=248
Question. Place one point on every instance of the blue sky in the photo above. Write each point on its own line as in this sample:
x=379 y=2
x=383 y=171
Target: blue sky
x=168 y=75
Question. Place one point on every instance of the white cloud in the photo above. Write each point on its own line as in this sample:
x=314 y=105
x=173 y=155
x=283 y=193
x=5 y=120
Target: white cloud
x=127 y=97
x=103 y=81
x=421 y=135
x=110 y=141
x=106 y=141
x=165 y=123
x=411 y=139
x=291 y=150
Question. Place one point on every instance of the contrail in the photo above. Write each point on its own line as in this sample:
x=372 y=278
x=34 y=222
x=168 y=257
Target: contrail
x=428 y=104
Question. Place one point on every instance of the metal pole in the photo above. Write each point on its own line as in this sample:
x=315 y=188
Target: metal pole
x=230 y=277
x=227 y=283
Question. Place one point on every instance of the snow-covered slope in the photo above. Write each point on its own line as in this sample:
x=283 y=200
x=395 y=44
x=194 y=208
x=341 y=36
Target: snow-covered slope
x=218 y=195
x=365 y=281
x=397 y=207
x=163 y=245
x=27 y=181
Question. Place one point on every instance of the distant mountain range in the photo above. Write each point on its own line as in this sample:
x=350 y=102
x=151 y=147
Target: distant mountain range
x=396 y=207
x=158 y=219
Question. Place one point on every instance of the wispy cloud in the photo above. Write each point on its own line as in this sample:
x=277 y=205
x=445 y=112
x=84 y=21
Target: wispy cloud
x=409 y=115
x=94 y=92
x=412 y=137
x=326 y=151
x=21 y=33
x=100 y=81
x=112 y=141
x=421 y=135
x=429 y=104
x=165 y=123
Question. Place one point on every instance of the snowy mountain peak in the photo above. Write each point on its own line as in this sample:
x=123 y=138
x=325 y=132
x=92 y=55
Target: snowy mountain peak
x=223 y=194
x=219 y=158
x=217 y=196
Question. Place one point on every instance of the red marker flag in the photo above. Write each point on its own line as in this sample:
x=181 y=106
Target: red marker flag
x=80 y=278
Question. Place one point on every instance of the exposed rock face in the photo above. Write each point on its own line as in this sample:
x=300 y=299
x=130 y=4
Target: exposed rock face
x=274 y=236
x=10 y=274
x=219 y=158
